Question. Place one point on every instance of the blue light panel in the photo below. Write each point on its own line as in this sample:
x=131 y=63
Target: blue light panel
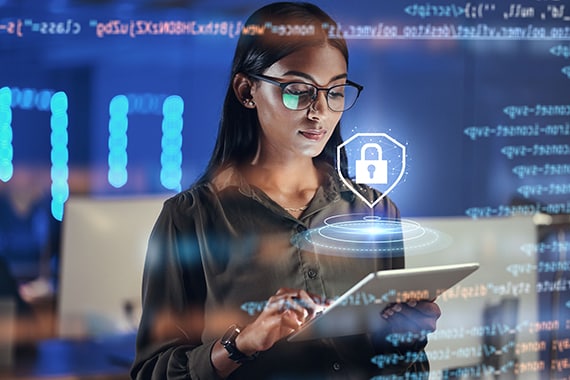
x=171 y=156
x=118 y=125
x=6 y=149
x=59 y=153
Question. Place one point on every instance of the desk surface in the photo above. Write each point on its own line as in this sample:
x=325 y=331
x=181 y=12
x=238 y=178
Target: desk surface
x=100 y=358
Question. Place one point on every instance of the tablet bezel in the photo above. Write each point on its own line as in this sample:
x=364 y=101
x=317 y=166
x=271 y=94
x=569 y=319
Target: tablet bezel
x=358 y=310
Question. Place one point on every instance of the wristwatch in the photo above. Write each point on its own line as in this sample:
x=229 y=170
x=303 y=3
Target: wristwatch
x=229 y=342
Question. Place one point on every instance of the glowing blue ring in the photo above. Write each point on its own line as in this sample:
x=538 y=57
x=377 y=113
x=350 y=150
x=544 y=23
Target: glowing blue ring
x=347 y=235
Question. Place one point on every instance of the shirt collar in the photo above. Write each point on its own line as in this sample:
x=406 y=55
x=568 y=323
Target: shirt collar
x=332 y=189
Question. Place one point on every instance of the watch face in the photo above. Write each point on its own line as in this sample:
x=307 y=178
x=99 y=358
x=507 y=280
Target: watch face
x=230 y=335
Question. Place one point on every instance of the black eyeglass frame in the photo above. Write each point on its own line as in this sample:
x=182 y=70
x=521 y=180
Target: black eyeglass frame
x=282 y=85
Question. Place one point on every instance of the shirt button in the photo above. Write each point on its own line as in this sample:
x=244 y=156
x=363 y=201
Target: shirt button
x=301 y=228
x=336 y=366
x=312 y=273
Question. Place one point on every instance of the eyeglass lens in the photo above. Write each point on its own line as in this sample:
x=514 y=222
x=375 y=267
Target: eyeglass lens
x=297 y=96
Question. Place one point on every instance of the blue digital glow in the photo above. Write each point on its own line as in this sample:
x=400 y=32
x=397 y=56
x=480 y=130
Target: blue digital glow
x=29 y=98
x=59 y=154
x=359 y=235
x=171 y=143
x=6 y=149
x=171 y=156
x=118 y=125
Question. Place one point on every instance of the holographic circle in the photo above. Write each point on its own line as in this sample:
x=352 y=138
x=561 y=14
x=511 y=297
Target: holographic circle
x=366 y=236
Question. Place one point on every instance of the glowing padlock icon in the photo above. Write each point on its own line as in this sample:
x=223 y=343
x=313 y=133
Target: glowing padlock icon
x=371 y=171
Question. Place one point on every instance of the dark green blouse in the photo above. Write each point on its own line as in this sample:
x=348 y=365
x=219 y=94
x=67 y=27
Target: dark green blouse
x=219 y=251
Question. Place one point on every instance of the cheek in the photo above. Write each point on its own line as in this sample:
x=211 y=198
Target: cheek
x=337 y=118
x=266 y=97
x=334 y=121
x=269 y=106
x=272 y=117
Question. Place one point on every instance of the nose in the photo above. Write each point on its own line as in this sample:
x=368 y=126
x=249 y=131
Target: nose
x=318 y=106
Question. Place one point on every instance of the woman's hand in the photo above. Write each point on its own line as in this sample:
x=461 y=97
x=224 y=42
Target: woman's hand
x=284 y=313
x=416 y=317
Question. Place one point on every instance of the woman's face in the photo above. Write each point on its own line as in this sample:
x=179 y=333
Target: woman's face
x=287 y=133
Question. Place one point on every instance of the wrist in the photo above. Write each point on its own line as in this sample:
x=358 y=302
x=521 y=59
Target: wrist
x=230 y=342
x=241 y=344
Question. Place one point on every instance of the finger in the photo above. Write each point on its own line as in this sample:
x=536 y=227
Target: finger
x=388 y=311
x=308 y=303
x=318 y=299
x=399 y=321
x=425 y=314
x=273 y=304
x=287 y=292
x=281 y=304
x=277 y=305
x=404 y=317
x=300 y=293
x=295 y=306
x=278 y=299
x=290 y=320
x=428 y=308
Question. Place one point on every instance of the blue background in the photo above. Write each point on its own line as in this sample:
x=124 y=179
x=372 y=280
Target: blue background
x=423 y=92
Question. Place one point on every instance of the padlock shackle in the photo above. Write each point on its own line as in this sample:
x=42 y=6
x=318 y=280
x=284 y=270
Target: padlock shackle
x=370 y=145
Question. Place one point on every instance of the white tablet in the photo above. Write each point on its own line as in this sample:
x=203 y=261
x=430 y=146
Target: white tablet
x=358 y=310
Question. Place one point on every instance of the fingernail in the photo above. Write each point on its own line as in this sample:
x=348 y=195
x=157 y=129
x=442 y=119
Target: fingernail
x=397 y=308
x=412 y=303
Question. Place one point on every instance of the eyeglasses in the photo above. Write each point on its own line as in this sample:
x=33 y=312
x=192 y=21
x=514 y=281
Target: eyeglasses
x=298 y=96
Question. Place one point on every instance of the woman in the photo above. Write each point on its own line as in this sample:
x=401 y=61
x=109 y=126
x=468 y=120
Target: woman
x=225 y=243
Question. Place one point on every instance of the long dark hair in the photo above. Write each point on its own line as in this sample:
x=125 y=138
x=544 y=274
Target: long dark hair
x=260 y=45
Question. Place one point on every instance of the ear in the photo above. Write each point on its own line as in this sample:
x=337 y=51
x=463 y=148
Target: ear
x=242 y=85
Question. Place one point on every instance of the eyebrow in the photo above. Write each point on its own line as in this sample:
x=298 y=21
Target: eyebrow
x=309 y=77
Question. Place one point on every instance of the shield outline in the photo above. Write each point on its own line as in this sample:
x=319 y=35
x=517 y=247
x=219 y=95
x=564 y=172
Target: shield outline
x=349 y=184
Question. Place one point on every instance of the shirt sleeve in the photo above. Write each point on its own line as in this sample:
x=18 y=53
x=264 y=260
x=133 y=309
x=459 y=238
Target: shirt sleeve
x=169 y=344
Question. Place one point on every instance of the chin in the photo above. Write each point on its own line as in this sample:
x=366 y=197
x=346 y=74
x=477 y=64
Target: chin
x=312 y=150
x=312 y=153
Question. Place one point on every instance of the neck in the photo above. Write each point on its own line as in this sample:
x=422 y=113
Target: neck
x=289 y=175
x=290 y=184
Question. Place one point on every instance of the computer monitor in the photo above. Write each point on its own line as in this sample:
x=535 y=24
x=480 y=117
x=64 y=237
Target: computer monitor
x=103 y=248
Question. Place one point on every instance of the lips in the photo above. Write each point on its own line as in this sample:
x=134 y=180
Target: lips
x=313 y=134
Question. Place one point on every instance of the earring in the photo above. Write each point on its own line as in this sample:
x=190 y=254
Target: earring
x=249 y=103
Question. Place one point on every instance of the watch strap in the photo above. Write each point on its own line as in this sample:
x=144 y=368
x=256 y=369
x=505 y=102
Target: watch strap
x=229 y=342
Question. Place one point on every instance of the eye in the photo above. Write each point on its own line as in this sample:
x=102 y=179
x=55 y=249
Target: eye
x=299 y=89
x=336 y=92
